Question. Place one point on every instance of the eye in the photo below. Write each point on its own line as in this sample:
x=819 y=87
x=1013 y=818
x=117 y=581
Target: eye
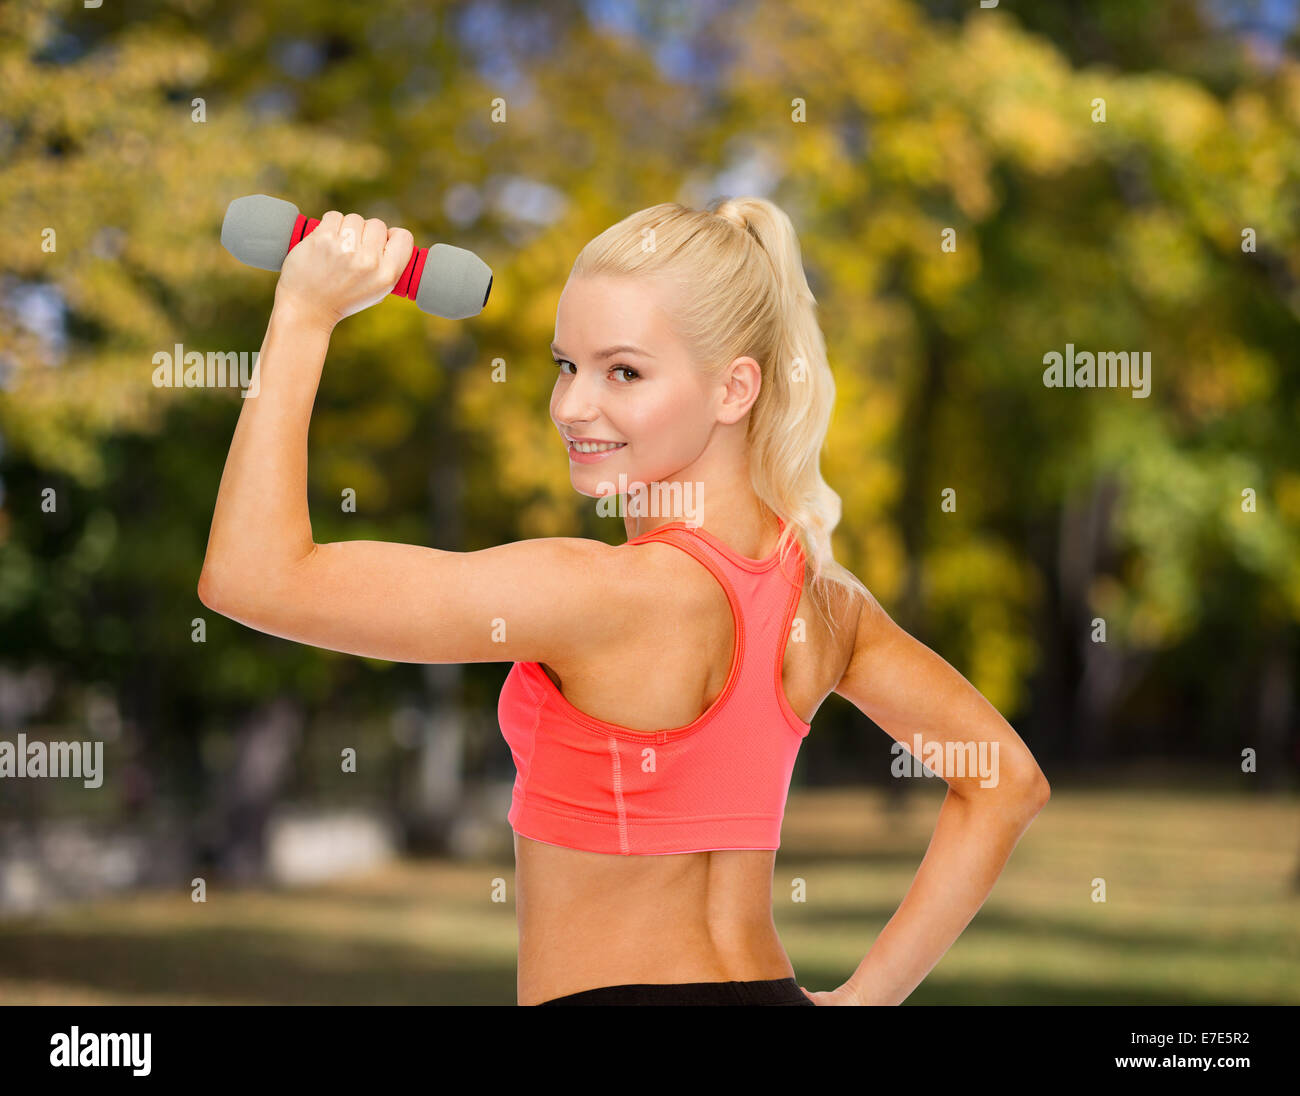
x=561 y=362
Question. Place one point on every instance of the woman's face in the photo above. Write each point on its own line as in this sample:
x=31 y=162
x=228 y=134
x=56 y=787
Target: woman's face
x=648 y=396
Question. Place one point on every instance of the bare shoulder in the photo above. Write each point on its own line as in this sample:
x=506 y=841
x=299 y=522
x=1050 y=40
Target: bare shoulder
x=660 y=584
x=848 y=608
x=648 y=601
x=600 y=595
x=859 y=620
x=590 y=592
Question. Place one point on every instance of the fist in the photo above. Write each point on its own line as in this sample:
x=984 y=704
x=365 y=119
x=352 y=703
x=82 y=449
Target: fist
x=344 y=265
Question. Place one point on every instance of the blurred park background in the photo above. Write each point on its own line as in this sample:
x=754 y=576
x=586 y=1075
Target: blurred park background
x=1118 y=175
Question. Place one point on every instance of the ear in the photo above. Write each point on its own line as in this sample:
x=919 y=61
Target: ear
x=741 y=386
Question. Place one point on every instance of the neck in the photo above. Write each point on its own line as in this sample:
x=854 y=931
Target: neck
x=724 y=503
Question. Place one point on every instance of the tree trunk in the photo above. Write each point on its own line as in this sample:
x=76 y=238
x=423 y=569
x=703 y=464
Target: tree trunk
x=265 y=748
x=438 y=791
x=1276 y=708
x=919 y=499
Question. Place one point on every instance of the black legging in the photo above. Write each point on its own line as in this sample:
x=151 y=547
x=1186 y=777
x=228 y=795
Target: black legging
x=774 y=991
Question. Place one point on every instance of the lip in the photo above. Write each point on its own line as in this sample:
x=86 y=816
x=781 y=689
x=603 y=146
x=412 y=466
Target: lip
x=596 y=441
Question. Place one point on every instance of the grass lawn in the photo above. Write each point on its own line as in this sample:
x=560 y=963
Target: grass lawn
x=1198 y=910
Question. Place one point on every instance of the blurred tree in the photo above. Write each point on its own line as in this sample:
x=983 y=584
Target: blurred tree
x=520 y=132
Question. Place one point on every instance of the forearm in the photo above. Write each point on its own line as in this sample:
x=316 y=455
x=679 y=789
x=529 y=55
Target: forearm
x=972 y=842
x=261 y=520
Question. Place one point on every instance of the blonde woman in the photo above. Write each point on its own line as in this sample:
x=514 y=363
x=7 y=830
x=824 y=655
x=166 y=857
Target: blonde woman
x=661 y=688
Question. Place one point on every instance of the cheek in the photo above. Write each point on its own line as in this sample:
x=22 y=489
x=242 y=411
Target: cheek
x=665 y=437
x=676 y=426
x=667 y=421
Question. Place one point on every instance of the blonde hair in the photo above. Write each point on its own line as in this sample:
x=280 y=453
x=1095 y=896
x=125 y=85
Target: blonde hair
x=738 y=288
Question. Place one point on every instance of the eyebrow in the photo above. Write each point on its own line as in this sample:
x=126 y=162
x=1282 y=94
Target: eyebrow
x=609 y=352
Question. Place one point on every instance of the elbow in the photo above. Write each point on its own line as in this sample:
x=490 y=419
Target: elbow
x=1044 y=791
x=207 y=593
x=1018 y=798
x=1035 y=792
x=212 y=592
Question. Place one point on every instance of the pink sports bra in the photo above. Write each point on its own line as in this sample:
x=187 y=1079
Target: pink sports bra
x=717 y=783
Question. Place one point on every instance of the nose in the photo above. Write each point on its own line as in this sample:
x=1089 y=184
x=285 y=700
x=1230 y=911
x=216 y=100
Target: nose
x=573 y=402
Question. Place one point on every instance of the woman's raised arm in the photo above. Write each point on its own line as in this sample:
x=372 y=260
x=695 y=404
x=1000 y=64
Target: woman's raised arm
x=539 y=600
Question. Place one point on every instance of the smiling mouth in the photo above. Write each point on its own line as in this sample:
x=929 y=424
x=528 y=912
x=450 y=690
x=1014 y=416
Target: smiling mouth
x=596 y=447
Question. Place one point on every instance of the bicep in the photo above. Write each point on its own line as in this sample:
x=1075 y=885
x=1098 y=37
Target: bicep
x=525 y=601
x=912 y=693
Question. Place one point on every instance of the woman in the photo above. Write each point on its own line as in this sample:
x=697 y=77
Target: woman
x=662 y=687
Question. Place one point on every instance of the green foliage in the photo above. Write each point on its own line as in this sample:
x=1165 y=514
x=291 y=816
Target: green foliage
x=1117 y=235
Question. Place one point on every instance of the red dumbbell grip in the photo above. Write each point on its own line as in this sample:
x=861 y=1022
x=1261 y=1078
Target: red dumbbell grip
x=407 y=285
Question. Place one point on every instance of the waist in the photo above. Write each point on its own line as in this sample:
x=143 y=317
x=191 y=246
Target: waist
x=588 y=920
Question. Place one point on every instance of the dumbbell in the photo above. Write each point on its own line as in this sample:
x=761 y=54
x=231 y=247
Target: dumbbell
x=442 y=280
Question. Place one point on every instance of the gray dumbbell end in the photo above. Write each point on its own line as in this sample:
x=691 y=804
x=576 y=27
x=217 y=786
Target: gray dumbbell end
x=257 y=228
x=454 y=283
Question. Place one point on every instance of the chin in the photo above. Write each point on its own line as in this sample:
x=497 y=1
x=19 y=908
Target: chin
x=588 y=488
x=586 y=480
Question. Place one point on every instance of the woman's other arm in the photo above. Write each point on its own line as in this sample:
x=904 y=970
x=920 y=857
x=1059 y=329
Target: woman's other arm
x=908 y=690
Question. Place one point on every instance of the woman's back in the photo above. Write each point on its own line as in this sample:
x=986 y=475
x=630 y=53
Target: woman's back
x=589 y=919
